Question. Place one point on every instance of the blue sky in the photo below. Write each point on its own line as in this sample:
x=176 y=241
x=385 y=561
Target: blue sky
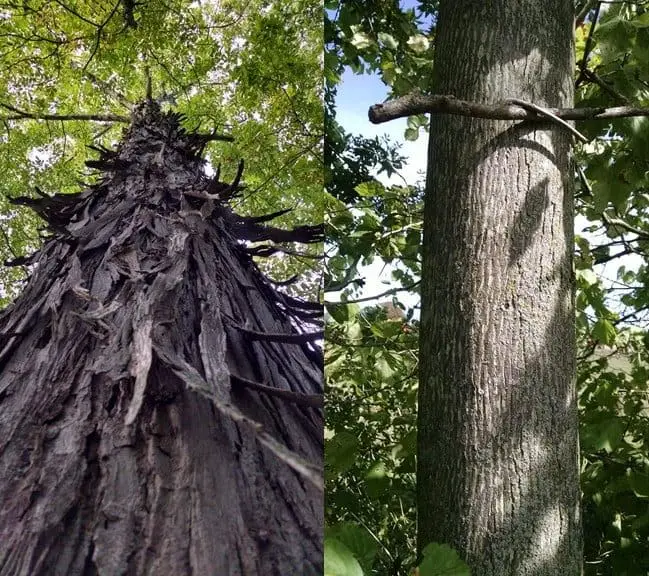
x=355 y=95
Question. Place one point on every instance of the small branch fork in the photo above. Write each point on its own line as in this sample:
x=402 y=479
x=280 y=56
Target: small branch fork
x=511 y=109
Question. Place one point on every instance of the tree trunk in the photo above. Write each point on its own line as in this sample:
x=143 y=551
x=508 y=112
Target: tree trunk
x=160 y=413
x=498 y=439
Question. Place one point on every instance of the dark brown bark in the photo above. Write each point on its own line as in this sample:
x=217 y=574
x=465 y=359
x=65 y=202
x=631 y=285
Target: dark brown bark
x=130 y=442
x=498 y=448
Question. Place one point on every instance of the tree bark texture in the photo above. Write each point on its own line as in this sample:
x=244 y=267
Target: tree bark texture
x=132 y=437
x=498 y=473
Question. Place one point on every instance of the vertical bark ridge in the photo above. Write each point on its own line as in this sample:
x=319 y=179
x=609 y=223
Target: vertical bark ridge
x=125 y=445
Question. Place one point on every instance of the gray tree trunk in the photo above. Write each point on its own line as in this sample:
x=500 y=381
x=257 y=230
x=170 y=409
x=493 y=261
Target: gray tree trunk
x=498 y=439
x=159 y=412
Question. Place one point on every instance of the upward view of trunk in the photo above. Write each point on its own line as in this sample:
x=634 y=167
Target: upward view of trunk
x=160 y=401
x=498 y=440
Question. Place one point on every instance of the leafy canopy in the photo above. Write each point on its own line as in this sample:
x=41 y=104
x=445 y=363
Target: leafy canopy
x=251 y=69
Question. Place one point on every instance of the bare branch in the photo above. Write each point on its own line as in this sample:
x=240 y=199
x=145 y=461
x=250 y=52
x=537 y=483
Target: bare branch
x=588 y=6
x=593 y=77
x=22 y=115
x=624 y=225
x=416 y=103
x=589 y=44
x=294 y=338
x=389 y=292
x=312 y=400
x=98 y=34
x=75 y=13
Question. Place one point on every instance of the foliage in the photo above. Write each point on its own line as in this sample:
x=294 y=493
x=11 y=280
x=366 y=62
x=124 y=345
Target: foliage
x=249 y=69
x=371 y=367
x=371 y=370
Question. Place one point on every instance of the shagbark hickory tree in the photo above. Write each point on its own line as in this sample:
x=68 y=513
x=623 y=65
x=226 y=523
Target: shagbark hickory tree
x=498 y=472
x=160 y=399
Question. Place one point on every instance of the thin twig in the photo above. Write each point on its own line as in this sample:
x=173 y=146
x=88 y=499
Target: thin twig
x=593 y=77
x=301 y=398
x=545 y=112
x=579 y=20
x=21 y=114
x=389 y=292
x=625 y=225
x=75 y=13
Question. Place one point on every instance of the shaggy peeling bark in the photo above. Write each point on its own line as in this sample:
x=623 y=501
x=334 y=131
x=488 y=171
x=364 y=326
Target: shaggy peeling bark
x=160 y=413
x=498 y=454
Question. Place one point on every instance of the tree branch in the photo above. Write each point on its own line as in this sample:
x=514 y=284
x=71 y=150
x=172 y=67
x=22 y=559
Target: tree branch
x=75 y=13
x=21 y=114
x=294 y=338
x=312 y=400
x=581 y=16
x=416 y=103
x=376 y=296
x=589 y=44
x=593 y=77
x=625 y=225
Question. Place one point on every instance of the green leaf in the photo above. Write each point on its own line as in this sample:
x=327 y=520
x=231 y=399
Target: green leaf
x=442 y=560
x=418 y=43
x=357 y=540
x=417 y=121
x=376 y=471
x=342 y=312
x=603 y=435
x=378 y=488
x=383 y=368
x=339 y=560
x=407 y=446
x=641 y=21
x=361 y=41
x=604 y=332
x=377 y=482
x=389 y=72
x=388 y=40
x=371 y=188
x=601 y=194
x=586 y=276
x=341 y=452
x=639 y=483
x=411 y=134
x=353 y=330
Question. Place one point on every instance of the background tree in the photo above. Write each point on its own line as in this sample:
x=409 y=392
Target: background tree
x=610 y=195
x=161 y=401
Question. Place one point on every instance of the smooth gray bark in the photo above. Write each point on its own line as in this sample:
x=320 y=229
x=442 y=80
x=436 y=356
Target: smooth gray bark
x=498 y=474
